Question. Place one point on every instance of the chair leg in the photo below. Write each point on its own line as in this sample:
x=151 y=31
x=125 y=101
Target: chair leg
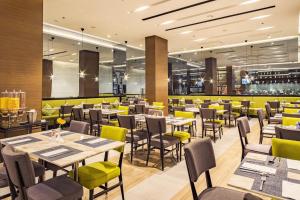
x=148 y=155
x=180 y=151
x=54 y=174
x=121 y=186
x=83 y=163
x=106 y=186
x=260 y=139
x=131 y=152
x=162 y=159
x=91 y=195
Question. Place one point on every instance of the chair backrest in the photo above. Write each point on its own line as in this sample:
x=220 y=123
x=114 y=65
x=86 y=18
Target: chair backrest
x=114 y=133
x=87 y=106
x=95 y=116
x=244 y=129
x=286 y=148
x=127 y=121
x=190 y=106
x=105 y=103
x=79 y=127
x=20 y=169
x=125 y=103
x=140 y=108
x=178 y=108
x=155 y=112
x=205 y=105
x=66 y=109
x=175 y=101
x=228 y=107
x=199 y=158
x=287 y=133
x=189 y=101
x=268 y=110
x=226 y=101
x=245 y=103
x=184 y=114
x=124 y=109
x=156 y=125
x=207 y=101
x=260 y=115
x=208 y=114
x=78 y=114
x=274 y=104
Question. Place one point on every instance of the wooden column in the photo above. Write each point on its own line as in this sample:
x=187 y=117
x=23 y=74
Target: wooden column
x=47 y=80
x=157 y=70
x=230 y=80
x=89 y=65
x=21 y=48
x=211 y=74
x=170 y=79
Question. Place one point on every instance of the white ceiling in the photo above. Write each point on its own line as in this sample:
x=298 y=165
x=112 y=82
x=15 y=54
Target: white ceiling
x=117 y=21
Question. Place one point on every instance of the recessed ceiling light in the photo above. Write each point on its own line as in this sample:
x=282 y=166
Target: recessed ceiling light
x=53 y=57
x=74 y=54
x=269 y=36
x=142 y=8
x=71 y=60
x=265 y=28
x=51 y=50
x=248 y=2
x=167 y=22
x=185 y=32
x=260 y=17
x=141 y=45
x=200 y=40
x=108 y=36
x=78 y=43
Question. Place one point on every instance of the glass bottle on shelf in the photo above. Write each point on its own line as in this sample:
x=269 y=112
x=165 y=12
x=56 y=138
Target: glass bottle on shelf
x=4 y=103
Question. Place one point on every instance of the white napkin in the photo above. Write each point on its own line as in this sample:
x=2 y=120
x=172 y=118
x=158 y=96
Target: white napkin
x=55 y=152
x=258 y=168
x=257 y=156
x=94 y=141
x=293 y=164
x=19 y=141
x=290 y=190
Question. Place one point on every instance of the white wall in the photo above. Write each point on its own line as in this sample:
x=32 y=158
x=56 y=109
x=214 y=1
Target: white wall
x=65 y=82
x=136 y=81
x=105 y=79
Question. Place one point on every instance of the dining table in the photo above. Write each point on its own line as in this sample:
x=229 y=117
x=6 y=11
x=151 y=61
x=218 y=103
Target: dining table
x=269 y=176
x=63 y=149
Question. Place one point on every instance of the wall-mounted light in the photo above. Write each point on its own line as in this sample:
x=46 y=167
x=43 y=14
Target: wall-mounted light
x=82 y=74
x=126 y=77
x=96 y=79
x=179 y=80
x=211 y=81
x=51 y=76
x=168 y=79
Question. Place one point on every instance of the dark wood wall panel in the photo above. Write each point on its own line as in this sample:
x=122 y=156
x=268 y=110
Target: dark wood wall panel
x=230 y=80
x=157 y=70
x=211 y=73
x=21 y=40
x=89 y=63
x=47 y=81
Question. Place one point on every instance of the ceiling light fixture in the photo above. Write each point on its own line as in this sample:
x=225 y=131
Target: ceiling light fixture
x=108 y=36
x=200 y=40
x=74 y=54
x=167 y=22
x=265 y=28
x=51 y=50
x=260 y=17
x=71 y=60
x=185 y=32
x=248 y=2
x=142 y=8
x=53 y=57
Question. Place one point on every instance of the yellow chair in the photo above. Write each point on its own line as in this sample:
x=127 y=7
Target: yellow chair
x=98 y=174
x=290 y=121
x=158 y=105
x=125 y=111
x=291 y=110
x=286 y=148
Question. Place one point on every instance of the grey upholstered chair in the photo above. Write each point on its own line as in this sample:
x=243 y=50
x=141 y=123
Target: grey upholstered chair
x=245 y=107
x=134 y=136
x=205 y=105
x=21 y=175
x=140 y=109
x=175 y=102
x=287 y=133
x=79 y=127
x=77 y=114
x=267 y=131
x=189 y=101
x=65 y=111
x=96 y=121
x=87 y=106
x=229 y=115
x=244 y=129
x=270 y=115
x=275 y=105
x=200 y=158
x=210 y=123
x=158 y=140
x=207 y=101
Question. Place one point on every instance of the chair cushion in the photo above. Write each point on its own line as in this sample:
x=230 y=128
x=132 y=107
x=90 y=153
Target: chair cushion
x=181 y=135
x=210 y=125
x=216 y=193
x=167 y=141
x=95 y=174
x=114 y=122
x=47 y=111
x=259 y=148
x=267 y=130
x=60 y=187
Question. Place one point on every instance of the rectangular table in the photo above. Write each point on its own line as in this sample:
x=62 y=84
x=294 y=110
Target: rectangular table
x=74 y=148
x=281 y=175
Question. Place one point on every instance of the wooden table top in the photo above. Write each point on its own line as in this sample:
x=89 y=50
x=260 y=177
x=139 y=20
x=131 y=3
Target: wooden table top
x=45 y=142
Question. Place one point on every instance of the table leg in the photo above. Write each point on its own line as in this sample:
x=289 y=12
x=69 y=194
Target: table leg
x=76 y=166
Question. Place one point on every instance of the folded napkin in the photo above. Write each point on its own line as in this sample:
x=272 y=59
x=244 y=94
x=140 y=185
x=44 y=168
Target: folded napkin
x=258 y=168
x=290 y=190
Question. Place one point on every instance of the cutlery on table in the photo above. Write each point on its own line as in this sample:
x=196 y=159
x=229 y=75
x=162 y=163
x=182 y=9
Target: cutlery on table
x=263 y=179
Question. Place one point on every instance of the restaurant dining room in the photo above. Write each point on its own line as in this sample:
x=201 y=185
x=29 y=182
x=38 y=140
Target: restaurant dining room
x=150 y=100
